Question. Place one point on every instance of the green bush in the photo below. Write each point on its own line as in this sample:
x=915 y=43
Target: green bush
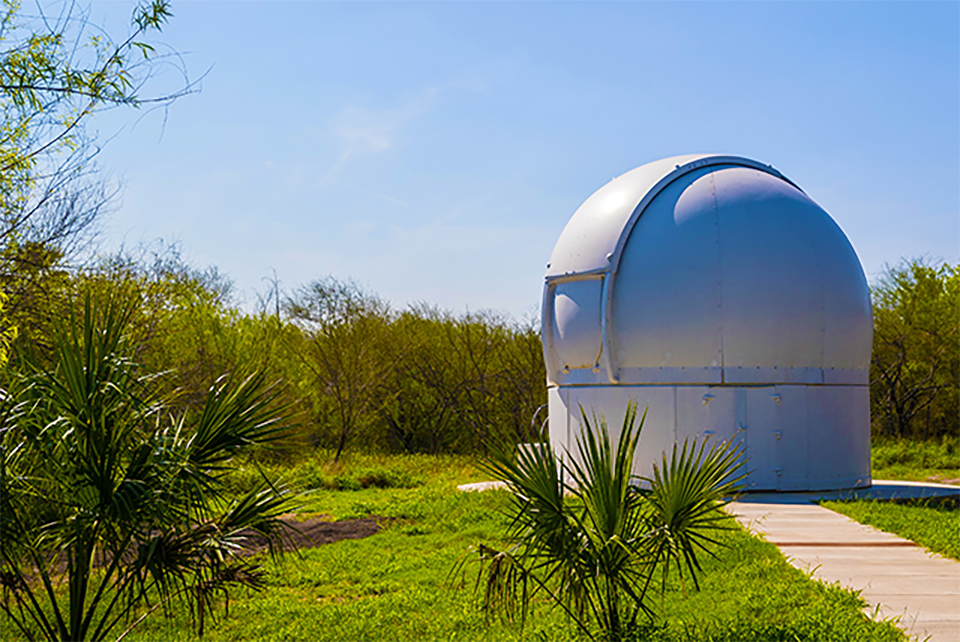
x=915 y=368
x=935 y=460
x=318 y=474
x=932 y=453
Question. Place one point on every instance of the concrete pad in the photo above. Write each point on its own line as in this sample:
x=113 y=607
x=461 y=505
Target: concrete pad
x=937 y=623
x=880 y=489
x=479 y=487
x=930 y=630
x=895 y=577
x=940 y=608
x=892 y=584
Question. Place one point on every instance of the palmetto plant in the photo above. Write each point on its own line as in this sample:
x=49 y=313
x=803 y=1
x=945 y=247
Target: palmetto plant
x=111 y=502
x=594 y=539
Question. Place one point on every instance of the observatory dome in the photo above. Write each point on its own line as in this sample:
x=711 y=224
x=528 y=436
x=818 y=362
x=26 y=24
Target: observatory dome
x=713 y=291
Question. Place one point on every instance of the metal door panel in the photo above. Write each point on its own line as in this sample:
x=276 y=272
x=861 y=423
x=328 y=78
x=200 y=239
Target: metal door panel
x=707 y=412
x=762 y=428
x=839 y=441
x=559 y=426
x=790 y=402
x=659 y=429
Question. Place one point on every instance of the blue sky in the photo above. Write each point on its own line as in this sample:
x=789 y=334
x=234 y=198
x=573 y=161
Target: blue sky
x=434 y=151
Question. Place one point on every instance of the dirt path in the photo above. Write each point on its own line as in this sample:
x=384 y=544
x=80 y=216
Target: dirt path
x=317 y=531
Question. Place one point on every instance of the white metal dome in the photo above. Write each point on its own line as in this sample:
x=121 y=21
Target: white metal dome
x=712 y=271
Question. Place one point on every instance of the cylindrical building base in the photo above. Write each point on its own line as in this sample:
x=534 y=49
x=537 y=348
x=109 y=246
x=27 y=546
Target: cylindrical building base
x=795 y=437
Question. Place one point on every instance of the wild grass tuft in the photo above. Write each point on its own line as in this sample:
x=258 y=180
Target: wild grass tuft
x=936 y=460
x=354 y=472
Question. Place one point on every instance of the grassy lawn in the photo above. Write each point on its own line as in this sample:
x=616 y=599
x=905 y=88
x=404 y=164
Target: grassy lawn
x=913 y=460
x=397 y=585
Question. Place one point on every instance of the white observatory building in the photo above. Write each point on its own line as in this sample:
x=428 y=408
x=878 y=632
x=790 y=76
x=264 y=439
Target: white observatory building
x=714 y=293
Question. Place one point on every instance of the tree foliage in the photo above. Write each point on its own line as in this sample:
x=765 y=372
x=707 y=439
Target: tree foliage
x=56 y=71
x=346 y=353
x=915 y=371
x=358 y=373
x=421 y=380
x=54 y=74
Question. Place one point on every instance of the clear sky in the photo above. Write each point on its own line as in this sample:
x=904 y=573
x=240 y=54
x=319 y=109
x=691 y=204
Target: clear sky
x=434 y=151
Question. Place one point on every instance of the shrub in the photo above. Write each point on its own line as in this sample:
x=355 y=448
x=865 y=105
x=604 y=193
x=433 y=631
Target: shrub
x=593 y=545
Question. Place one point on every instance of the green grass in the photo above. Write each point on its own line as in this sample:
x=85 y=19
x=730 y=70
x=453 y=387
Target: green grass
x=915 y=460
x=934 y=525
x=355 y=471
x=751 y=593
x=396 y=585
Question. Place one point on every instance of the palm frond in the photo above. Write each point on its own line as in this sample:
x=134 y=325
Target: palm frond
x=592 y=545
x=104 y=486
x=685 y=496
x=239 y=411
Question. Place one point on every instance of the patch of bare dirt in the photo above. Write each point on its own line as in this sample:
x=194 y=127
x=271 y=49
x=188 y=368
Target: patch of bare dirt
x=317 y=531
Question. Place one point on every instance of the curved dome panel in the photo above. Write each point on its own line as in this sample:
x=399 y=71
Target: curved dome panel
x=848 y=318
x=666 y=304
x=773 y=284
x=590 y=238
x=706 y=270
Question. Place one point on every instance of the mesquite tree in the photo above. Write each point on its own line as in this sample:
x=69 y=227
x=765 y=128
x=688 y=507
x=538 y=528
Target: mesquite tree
x=915 y=370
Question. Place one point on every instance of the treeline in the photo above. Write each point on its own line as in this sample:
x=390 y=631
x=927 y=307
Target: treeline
x=418 y=380
x=360 y=373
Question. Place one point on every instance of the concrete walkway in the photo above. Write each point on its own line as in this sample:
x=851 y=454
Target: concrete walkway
x=895 y=576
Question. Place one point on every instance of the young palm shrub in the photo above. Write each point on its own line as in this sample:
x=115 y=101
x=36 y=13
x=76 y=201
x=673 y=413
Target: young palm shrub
x=592 y=537
x=111 y=506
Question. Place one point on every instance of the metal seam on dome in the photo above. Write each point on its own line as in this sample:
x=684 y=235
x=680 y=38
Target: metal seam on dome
x=607 y=357
x=721 y=361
